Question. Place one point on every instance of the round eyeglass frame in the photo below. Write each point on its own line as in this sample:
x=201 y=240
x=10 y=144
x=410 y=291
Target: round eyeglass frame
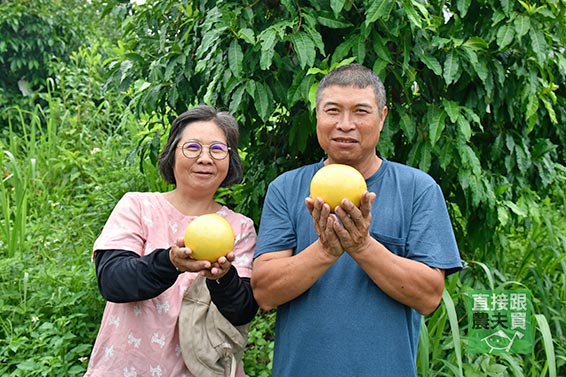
x=201 y=148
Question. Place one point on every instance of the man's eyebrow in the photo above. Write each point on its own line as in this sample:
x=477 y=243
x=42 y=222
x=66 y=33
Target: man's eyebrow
x=330 y=103
x=361 y=104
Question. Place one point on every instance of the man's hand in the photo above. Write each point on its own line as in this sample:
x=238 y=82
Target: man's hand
x=324 y=224
x=353 y=228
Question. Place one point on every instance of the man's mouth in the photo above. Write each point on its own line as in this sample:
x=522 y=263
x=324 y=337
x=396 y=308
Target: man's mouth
x=342 y=140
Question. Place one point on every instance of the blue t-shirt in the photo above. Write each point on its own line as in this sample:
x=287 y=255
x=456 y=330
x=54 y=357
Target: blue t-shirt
x=345 y=325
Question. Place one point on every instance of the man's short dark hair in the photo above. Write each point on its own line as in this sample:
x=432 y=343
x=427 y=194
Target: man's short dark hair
x=355 y=75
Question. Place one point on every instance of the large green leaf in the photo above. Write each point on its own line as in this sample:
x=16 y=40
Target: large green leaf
x=415 y=12
x=247 y=35
x=235 y=58
x=337 y=6
x=425 y=157
x=539 y=45
x=408 y=125
x=468 y=159
x=451 y=68
x=476 y=43
x=267 y=39
x=431 y=62
x=378 y=10
x=463 y=6
x=264 y=101
x=380 y=48
x=465 y=128
x=304 y=48
x=522 y=25
x=452 y=110
x=505 y=35
x=236 y=98
x=343 y=50
x=436 y=118
x=333 y=23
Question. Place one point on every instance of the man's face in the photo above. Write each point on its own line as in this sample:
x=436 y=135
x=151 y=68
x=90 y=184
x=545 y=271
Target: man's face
x=349 y=123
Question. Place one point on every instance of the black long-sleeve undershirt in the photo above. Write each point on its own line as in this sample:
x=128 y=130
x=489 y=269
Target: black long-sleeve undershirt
x=124 y=276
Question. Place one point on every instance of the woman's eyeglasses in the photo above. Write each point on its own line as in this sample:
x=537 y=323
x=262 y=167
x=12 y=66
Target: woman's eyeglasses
x=193 y=149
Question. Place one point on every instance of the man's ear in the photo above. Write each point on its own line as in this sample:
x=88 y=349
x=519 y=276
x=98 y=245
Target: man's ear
x=384 y=113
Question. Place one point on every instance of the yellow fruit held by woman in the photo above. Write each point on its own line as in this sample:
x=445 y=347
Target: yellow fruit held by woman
x=336 y=182
x=210 y=237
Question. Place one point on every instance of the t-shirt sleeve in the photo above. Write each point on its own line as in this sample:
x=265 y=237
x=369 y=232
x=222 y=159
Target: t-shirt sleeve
x=275 y=232
x=431 y=238
x=244 y=246
x=124 y=229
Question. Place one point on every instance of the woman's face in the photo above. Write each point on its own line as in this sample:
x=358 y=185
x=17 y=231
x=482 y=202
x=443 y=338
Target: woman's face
x=201 y=173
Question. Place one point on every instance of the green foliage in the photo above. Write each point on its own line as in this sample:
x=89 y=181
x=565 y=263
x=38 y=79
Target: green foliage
x=43 y=333
x=33 y=33
x=258 y=356
x=30 y=39
x=39 y=39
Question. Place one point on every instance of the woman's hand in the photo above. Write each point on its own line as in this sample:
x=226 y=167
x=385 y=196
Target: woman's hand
x=220 y=267
x=182 y=259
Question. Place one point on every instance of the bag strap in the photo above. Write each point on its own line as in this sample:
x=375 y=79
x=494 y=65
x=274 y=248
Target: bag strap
x=229 y=361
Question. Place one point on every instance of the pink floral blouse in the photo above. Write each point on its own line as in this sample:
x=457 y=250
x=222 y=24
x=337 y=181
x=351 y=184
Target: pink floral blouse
x=142 y=338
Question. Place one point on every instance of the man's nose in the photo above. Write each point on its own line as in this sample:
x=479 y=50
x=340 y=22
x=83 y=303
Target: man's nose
x=346 y=122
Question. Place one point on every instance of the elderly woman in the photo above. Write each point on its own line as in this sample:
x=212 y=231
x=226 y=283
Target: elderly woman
x=143 y=267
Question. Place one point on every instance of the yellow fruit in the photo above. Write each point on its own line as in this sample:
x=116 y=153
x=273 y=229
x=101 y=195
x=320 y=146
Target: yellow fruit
x=336 y=182
x=210 y=237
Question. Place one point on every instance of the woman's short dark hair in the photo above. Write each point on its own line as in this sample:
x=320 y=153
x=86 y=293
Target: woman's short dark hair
x=203 y=113
x=355 y=75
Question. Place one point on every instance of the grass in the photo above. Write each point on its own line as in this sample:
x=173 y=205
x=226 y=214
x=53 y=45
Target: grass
x=61 y=179
x=14 y=202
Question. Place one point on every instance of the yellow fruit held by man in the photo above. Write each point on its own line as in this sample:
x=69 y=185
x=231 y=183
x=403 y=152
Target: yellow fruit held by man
x=210 y=237
x=336 y=182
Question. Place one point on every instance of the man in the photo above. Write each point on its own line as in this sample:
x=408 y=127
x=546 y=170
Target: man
x=350 y=286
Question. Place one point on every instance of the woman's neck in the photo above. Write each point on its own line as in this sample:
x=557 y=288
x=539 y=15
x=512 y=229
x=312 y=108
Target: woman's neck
x=191 y=205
